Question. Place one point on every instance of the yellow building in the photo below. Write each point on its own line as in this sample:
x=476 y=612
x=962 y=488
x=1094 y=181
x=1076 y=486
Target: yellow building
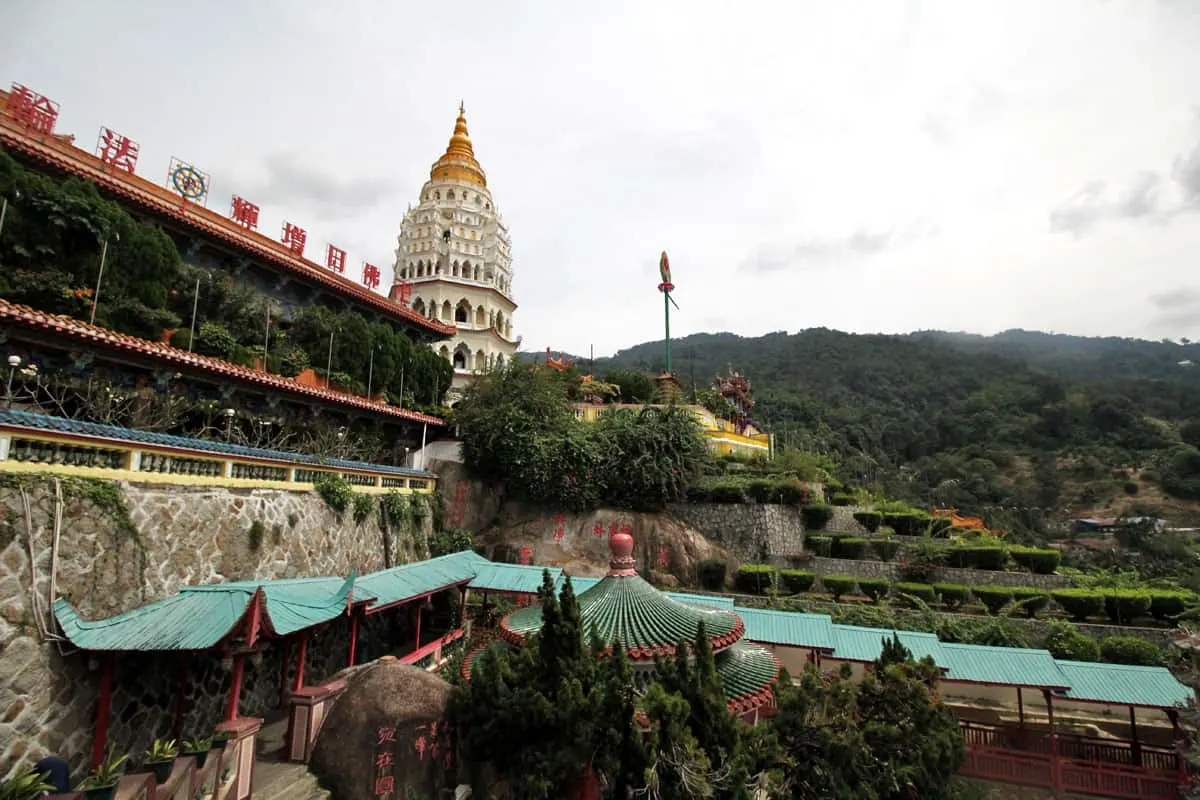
x=723 y=439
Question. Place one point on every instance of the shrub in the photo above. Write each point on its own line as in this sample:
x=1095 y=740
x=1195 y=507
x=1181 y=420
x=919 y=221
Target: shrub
x=1079 y=603
x=711 y=574
x=1126 y=605
x=939 y=526
x=816 y=516
x=952 y=595
x=257 y=529
x=993 y=632
x=886 y=549
x=907 y=523
x=849 y=547
x=760 y=491
x=1166 y=603
x=335 y=490
x=796 y=581
x=1065 y=642
x=727 y=492
x=922 y=590
x=838 y=585
x=842 y=499
x=1037 y=560
x=754 y=578
x=1030 y=600
x=873 y=588
x=214 y=339
x=993 y=598
x=871 y=520
x=1130 y=650
x=985 y=556
x=921 y=563
x=363 y=506
x=791 y=492
x=819 y=545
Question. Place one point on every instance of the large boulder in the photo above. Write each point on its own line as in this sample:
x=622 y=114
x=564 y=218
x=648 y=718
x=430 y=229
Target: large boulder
x=383 y=735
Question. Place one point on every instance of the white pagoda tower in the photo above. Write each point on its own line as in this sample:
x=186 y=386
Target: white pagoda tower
x=454 y=251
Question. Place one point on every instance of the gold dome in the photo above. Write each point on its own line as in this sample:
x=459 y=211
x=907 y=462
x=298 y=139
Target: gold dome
x=458 y=163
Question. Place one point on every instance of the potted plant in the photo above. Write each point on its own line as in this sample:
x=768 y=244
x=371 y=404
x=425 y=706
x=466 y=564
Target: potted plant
x=161 y=757
x=102 y=783
x=29 y=786
x=198 y=748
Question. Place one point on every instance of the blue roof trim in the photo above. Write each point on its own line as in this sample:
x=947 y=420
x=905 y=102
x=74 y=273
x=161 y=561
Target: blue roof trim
x=45 y=422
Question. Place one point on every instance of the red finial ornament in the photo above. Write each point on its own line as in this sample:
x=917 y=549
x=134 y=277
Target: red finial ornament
x=621 y=547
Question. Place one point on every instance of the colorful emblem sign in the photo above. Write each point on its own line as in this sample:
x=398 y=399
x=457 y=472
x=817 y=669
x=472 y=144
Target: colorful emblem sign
x=117 y=151
x=189 y=182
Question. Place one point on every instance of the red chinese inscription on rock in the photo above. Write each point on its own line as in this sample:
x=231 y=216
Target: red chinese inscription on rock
x=598 y=531
x=664 y=557
x=526 y=555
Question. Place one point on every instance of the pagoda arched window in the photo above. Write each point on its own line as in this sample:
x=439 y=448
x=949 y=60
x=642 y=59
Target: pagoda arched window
x=480 y=316
x=460 y=359
x=447 y=310
x=462 y=313
x=450 y=195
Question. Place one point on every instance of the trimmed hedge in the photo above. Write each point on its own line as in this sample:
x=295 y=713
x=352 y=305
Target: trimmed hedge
x=760 y=491
x=1037 y=560
x=952 y=595
x=791 y=492
x=711 y=574
x=842 y=499
x=907 y=523
x=1030 y=600
x=871 y=520
x=1069 y=644
x=1079 y=603
x=754 y=578
x=922 y=590
x=977 y=556
x=819 y=545
x=796 y=581
x=886 y=549
x=816 y=516
x=939 y=526
x=838 y=585
x=1126 y=605
x=1130 y=650
x=849 y=547
x=1166 y=603
x=873 y=588
x=993 y=598
x=726 y=492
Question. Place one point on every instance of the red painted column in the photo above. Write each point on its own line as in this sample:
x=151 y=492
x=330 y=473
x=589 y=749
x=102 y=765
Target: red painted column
x=235 y=687
x=417 y=643
x=285 y=655
x=103 y=709
x=353 y=637
x=1055 y=777
x=301 y=657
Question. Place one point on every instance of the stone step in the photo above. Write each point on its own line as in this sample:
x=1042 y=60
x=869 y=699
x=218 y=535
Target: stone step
x=276 y=780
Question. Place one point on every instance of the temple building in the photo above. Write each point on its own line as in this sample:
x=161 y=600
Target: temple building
x=454 y=252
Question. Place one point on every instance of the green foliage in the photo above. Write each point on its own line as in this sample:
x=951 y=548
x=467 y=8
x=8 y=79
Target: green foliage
x=443 y=543
x=871 y=520
x=1039 y=561
x=26 y=786
x=985 y=556
x=921 y=563
x=635 y=385
x=363 y=505
x=796 y=581
x=162 y=750
x=336 y=491
x=754 y=578
x=886 y=549
x=838 y=585
x=849 y=547
x=874 y=588
x=255 y=536
x=108 y=772
x=907 y=523
x=842 y=499
x=1079 y=603
x=952 y=595
x=711 y=574
x=1126 y=605
x=1066 y=642
x=993 y=598
x=816 y=516
x=214 y=339
x=1030 y=600
x=1130 y=650
x=1166 y=604
x=923 y=591
x=819 y=545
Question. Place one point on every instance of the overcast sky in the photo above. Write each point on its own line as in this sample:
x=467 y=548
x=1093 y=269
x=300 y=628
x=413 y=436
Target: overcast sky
x=865 y=166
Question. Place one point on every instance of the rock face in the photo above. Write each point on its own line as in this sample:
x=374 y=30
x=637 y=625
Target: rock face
x=382 y=735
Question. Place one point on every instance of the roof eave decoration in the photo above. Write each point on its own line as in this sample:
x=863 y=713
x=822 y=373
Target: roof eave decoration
x=146 y=195
x=95 y=335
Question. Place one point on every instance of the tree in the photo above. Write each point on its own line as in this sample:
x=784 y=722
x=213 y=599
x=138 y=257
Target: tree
x=634 y=386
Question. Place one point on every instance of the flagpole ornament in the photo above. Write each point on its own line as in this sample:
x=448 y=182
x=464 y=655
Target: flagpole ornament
x=666 y=287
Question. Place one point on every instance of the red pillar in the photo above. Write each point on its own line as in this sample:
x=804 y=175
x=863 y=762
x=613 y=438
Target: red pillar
x=235 y=687
x=301 y=657
x=353 y=637
x=285 y=655
x=417 y=643
x=103 y=709
x=1055 y=777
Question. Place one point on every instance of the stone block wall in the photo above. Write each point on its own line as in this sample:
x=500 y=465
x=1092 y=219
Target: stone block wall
x=968 y=577
x=843 y=521
x=754 y=532
x=110 y=560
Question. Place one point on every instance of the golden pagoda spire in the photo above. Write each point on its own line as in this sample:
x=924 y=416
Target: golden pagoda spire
x=458 y=162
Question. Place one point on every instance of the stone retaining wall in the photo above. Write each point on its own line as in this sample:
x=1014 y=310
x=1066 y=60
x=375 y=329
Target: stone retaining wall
x=753 y=532
x=104 y=566
x=968 y=577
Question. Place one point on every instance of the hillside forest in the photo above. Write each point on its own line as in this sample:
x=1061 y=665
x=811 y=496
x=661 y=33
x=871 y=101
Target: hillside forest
x=1023 y=425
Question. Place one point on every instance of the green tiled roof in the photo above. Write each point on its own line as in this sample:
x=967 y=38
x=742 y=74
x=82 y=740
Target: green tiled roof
x=527 y=579
x=1154 y=687
x=788 y=628
x=853 y=643
x=420 y=577
x=199 y=617
x=706 y=600
x=578 y=584
x=629 y=610
x=1011 y=666
x=745 y=669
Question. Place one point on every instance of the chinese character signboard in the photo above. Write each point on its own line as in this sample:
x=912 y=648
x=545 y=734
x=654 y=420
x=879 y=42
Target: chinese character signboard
x=335 y=259
x=189 y=182
x=32 y=110
x=402 y=292
x=244 y=213
x=117 y=151
x=293 y=238
x=560 y=529
x=407 y=758
x=370 y=276
x=526 y=555
x=664 y=558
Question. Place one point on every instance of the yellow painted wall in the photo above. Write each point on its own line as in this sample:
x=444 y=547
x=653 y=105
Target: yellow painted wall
x=722 y=439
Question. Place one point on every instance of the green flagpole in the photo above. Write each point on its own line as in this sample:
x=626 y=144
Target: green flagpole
x=667 y=321
x=664 y=271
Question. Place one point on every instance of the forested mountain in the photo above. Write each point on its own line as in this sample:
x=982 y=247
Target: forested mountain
x=1020 y=419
